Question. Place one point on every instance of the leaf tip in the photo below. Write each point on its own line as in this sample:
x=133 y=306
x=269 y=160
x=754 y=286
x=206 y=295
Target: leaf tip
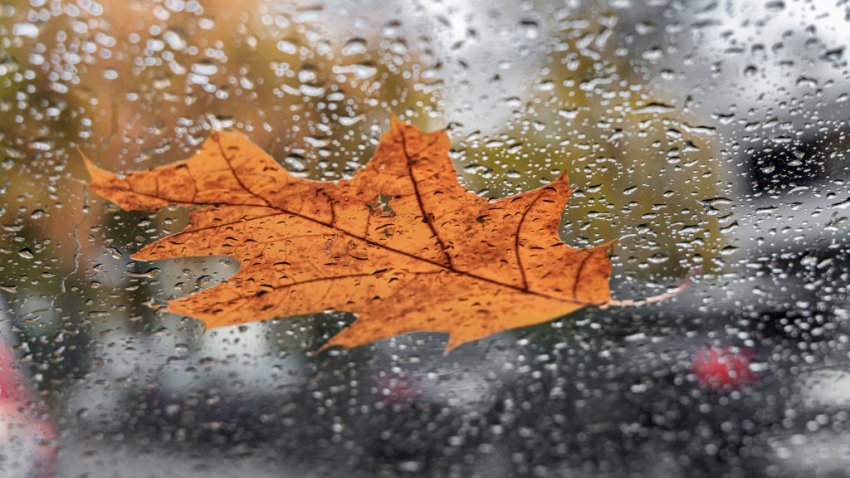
x=96 y=173
x=139 y=255
x=325 y=346
x=454 y=342
x=396 y=122
x=562 y=182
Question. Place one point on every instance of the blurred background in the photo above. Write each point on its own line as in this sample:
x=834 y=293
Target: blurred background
x=710 y=137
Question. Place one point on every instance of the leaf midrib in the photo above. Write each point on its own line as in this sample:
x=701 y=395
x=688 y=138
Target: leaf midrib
x=268 y=205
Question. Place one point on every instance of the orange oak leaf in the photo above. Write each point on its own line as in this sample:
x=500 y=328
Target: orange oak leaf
x=402 y=244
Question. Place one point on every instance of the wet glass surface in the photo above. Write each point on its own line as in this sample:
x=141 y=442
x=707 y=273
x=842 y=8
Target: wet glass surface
x=708 y=137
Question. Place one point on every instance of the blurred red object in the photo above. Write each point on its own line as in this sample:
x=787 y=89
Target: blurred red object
x=398 y=390
x=27 y=436
x=722 y=368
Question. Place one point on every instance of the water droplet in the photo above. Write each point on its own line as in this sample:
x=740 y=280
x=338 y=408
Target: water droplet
x=204 y=68
x=25 y=30
x=654 y=108
x=175 y=39
x=355 y=46
x=295 y=162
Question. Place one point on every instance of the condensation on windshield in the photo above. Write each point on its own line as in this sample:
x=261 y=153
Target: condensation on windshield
x=708 y=139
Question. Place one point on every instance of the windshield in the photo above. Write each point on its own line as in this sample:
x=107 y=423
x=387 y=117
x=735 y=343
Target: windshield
x=702 y=146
